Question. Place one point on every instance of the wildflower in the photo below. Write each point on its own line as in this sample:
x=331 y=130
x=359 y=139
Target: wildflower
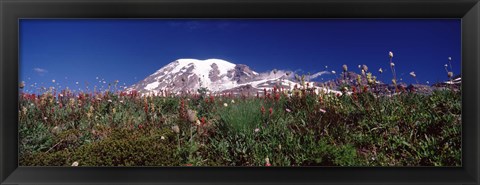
x=449 y=58
x=225 y=104
x=450 y=74
x=262 y=110
x=198 y=123
x=267 y=162
x=114 y=110
x=140 y=126
x=413 y=74
x=162 y=137
x=446 y=65
x=392 y=64
x=390 y=54
x=76 y=83
x=176 y=129
x=359 y=66
x=288 y=110
x=53 y=81
x=333 y=72
x=363 y=72
x=75 y=163
x=270 y=110
x=380 y=70
x=121 y=101
x=428 y=82
x=257 y=130
x=323 y=111
x=233 y=101
x=345 y=67
x=110 y=101
x=45 y=118
x=365 y=88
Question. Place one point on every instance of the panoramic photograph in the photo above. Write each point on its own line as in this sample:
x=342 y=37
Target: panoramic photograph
x=240 y=92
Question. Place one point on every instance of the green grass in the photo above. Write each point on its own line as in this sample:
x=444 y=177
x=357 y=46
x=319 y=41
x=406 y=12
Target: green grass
x=304 y=129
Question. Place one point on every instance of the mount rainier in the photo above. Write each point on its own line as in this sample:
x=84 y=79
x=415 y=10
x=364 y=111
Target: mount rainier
x=188 y=75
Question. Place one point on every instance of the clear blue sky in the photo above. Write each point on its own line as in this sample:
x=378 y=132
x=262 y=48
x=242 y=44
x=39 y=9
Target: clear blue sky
x=128 y=50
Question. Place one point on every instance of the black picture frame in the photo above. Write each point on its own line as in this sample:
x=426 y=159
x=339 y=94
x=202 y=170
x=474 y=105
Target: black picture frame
x=12 y=10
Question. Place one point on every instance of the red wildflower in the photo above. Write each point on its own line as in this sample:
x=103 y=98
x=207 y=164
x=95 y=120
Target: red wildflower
x=365 y=89
x=277 y=96
x=262 y=110
x=140 y=126
x=145 y=108
x=270 y=111
x=212 y=99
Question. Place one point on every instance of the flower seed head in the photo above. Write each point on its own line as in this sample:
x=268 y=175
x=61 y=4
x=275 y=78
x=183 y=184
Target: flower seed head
x=450 y=74
x=365 y=67
x=75 y=163
x=390 y=54
x=192 y=115
x=176 y=129
x=413 y=74
x=21 y=85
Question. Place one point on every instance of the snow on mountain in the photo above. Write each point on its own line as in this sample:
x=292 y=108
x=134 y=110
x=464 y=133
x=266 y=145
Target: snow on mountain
x=217 y=75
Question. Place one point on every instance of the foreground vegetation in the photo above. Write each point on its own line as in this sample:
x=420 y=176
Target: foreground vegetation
x=300 y=128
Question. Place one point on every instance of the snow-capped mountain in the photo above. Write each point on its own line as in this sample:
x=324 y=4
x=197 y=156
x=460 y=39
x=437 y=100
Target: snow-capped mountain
x=188 y=75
